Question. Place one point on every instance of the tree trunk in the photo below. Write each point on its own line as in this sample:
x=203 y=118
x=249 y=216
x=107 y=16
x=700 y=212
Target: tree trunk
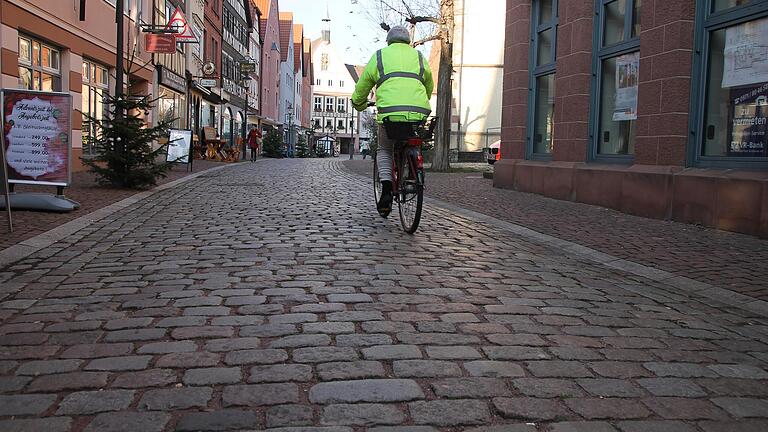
x=441 y=161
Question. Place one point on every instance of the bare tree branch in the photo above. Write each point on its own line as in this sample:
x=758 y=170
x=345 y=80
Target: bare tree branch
x=426 y=39
x=418 y=19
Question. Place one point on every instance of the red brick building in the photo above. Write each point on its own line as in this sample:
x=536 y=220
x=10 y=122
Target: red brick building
x=655 y=107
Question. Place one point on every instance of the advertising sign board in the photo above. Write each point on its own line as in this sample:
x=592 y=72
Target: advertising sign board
x=36 y=130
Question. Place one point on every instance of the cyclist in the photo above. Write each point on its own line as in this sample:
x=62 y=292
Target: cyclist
x=404 y=84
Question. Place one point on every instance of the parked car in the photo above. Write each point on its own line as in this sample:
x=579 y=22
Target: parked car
x=494 y=152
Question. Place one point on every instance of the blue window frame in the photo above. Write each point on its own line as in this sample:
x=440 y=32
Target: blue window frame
x=541 y=95
x=615 y=72
x=729 y=93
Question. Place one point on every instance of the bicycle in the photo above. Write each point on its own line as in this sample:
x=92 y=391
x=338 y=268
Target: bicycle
x=407 y=169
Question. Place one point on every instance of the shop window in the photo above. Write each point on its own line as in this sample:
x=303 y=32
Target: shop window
x=617 y=68
x=227 y=126
x=39 y=65
x=542 y=78
x=731 y=125
x=172 y=107
x=94 y=91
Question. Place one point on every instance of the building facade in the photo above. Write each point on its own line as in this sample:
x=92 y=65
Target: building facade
x=236 y=27
x=333 y=118
x=656 y=109
x=208 y=105
x=46 y=47
x=306 y=97
x=477 y=116
x=287 y=81
x=269 y=27
x=254 y=85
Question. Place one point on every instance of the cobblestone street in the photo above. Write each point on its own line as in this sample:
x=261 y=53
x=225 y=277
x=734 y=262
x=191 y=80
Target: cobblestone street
x=271 y=296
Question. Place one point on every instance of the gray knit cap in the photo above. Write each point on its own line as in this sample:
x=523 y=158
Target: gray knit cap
x=398 y=34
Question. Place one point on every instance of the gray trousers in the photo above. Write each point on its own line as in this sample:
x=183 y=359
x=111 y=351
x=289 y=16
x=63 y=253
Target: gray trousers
x=384 y=154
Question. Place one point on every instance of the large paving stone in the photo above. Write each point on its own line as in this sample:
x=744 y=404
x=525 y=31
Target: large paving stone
x=219 y=420
x=85 y=403
x=29 y=404
x=129 y=422
x=350 y=370
x=362 y=415
x=175 y=398
x=450 y=412
x=260 y=394
x=367 y=390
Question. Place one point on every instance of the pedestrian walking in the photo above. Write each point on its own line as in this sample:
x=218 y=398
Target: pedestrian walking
x=254 y=142
x=365 y=149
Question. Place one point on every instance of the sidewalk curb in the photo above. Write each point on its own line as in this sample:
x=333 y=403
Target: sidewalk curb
x=34 y=244
x=684 y=285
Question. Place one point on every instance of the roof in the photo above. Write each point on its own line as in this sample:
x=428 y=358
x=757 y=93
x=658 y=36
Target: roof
x=286 y=24
x=298 y=41
x=308 y=70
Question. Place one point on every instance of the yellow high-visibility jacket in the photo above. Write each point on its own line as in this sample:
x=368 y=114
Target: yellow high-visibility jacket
x=403 y=84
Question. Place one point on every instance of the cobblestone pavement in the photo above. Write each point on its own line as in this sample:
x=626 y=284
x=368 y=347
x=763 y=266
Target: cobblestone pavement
x=272 y=297
x=728 y=260
x=84 y=190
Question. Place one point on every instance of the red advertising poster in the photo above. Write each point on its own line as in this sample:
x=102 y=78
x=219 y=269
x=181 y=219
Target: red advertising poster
x=37 y=128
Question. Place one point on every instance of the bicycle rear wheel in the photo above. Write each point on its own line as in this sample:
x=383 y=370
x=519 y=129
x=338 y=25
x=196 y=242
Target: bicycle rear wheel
x=411 y=192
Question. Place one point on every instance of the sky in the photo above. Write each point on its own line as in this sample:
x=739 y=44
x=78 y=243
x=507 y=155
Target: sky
x=353 y=33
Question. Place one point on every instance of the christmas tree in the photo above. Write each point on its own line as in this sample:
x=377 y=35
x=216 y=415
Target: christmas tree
x=302 y=149
x=273 y=144
x=123 y=144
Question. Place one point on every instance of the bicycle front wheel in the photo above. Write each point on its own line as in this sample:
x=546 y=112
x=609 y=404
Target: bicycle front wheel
x=411 y=193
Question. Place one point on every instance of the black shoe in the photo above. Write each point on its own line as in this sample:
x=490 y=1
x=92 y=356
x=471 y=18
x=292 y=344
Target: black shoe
x=384 y=205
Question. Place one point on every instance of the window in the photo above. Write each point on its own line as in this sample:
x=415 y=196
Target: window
x=126 y=5
x=341 y=83
x=341 y=125
x=317 y=81
x=730 y=128
x=542 y=78
x=318 y=103
x=329 y=104
x=341 y=104
x=172 y=107
x=330 y=83
x=95 y=89
x=324 y=62
x=39 y=67
x=617 y=67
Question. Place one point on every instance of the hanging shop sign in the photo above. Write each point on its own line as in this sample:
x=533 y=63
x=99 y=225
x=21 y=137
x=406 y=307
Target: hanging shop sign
x=179 y=146
x=184 y=33
x=160 y=43
x=748 y=126
x=246 y=68
x=172 y=81
x=208 y=82
x=37 y=127
x=746 y=54
x=627 y=80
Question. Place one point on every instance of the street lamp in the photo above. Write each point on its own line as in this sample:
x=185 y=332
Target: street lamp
x=289 y=114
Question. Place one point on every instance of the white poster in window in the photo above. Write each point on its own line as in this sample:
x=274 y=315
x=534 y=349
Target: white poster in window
x=627 y=79
x=746 y=54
